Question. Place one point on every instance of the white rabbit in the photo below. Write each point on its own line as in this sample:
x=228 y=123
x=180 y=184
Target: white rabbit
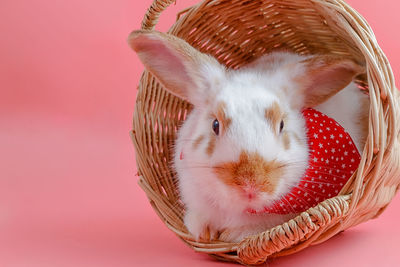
x=244 y=144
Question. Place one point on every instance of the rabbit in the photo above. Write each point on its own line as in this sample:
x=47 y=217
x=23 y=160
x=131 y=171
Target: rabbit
x=244 y=144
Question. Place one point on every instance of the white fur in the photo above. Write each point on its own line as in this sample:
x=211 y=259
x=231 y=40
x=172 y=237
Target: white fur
x=346 y=107
x=247 y=92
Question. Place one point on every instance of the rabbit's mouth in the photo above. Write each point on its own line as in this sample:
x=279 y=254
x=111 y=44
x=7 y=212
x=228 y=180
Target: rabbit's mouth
x=333 y=160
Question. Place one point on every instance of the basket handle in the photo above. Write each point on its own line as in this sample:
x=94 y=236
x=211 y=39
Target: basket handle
x=153 y=13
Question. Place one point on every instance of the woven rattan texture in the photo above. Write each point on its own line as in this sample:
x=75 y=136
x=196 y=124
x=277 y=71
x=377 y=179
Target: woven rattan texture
x=237 y=32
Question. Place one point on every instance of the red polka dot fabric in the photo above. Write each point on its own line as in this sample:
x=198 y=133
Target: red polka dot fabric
x=332 y=161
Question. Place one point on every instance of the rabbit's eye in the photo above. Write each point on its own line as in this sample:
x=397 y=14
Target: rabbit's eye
x=215 y=126
x=281 y=126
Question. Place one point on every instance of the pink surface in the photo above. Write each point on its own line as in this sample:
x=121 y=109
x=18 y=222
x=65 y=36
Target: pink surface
x=68 y=191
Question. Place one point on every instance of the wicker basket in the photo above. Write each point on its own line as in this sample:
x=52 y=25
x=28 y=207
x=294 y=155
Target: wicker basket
x=236 y=32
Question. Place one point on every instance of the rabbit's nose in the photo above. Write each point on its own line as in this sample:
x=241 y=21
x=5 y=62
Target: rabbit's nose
x=250 y=192
x=251 y=195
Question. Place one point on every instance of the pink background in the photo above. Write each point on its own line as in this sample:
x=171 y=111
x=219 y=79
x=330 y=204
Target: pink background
x=68 y=191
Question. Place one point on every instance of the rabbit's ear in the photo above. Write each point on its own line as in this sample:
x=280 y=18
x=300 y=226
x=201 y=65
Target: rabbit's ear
x=321 y=77
x=184 y=71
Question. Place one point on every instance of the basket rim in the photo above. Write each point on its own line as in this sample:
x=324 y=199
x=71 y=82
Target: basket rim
x=382 y=91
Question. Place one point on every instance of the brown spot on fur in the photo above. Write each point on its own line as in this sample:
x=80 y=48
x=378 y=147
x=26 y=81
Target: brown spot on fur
x=211 y=145
x=286 y=140
x=223 y=119
x=251 y=168
x=197 y=142
x=273 y=114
